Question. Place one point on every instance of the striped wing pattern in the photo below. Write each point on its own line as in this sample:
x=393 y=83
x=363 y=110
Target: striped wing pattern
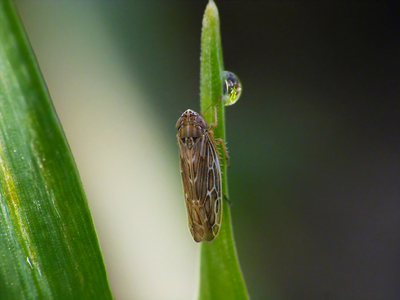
x=201 y=178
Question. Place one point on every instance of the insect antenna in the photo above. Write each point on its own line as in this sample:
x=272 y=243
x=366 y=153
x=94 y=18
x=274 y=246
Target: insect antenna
x=220 y=98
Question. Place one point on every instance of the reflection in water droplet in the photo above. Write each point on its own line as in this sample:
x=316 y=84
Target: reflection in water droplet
x=231 y=88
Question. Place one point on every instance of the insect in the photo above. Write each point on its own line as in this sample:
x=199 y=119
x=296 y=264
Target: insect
x=201 y=174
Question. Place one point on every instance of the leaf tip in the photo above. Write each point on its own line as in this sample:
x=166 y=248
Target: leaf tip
x=211 y=11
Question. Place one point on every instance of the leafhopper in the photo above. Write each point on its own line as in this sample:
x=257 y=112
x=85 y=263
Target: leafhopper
x=201 y=174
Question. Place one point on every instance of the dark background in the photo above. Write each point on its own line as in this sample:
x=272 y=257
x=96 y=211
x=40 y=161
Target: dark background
x=314 y=141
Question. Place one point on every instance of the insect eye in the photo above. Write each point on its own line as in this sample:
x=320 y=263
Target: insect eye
x=183 y=139
x=195 y=138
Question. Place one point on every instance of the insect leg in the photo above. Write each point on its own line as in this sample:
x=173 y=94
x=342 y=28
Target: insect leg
x=219 y=141
x=222 y=143
x=226 y=198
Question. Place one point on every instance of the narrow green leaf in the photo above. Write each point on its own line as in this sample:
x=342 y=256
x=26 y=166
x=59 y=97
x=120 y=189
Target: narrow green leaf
x=48 y=244
x=220 y=275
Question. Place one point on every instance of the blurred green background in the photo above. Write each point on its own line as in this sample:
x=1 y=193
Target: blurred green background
x=314 y=141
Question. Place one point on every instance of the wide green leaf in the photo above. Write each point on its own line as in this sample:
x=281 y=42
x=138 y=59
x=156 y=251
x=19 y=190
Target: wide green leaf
x=48 y=244
x=220 y=275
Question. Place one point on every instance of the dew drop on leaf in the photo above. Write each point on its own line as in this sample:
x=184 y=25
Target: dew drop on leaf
x=231 y=88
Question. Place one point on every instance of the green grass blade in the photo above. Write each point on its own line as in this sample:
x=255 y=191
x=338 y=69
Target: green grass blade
x=220 y=275
x=48 y=244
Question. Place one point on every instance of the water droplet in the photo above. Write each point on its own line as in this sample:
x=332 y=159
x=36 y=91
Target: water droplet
x=231 y=88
